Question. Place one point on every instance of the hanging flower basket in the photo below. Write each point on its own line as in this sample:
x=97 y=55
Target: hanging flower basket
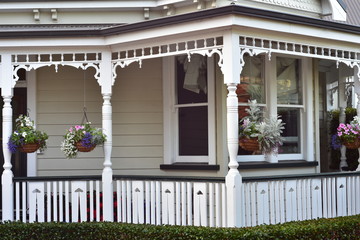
x=352 y=145
x=82 y=148
x=25 y=137
x=81 y=138
x=29 y=147
x=249 y=144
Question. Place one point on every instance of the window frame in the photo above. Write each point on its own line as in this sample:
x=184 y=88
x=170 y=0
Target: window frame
x=271 y=105
x=170 y=109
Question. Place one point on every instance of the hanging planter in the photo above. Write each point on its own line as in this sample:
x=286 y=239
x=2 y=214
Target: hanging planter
x=25 y=137
x=29 y=147
x=349 y=134
x=81 y=138
x=249 y=144
x=81 y=148
x=352 y=145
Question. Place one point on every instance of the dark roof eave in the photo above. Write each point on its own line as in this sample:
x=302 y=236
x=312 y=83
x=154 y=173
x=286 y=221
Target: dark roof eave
x=188 y=17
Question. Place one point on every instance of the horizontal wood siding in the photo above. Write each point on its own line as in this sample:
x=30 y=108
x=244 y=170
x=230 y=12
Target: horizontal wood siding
x=137 y=118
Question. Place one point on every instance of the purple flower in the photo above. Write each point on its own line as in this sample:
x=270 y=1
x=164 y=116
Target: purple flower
x=12 y=146
x=335 y=142
x=87 y=140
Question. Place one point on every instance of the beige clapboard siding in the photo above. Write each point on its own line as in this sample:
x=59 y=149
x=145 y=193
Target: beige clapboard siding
x=137 y=118
x=118 y=129
x=96 y=164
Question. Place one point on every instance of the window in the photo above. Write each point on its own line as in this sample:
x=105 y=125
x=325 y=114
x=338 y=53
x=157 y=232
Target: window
x=189 y=122
x=278 y=87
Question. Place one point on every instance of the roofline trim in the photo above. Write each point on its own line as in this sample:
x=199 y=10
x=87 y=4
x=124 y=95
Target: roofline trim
x=188 y=17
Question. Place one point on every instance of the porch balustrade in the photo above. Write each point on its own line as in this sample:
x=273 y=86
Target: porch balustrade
x=187 y=201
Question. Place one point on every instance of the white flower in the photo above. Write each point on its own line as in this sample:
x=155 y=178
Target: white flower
x=24 y=134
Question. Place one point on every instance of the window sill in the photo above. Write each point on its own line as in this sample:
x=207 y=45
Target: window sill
x=280 y=164
x=190 y=166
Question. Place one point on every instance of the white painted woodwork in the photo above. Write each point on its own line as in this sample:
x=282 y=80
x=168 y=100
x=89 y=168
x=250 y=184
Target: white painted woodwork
x=316 y=202
x=341 y=195
x=231 y=70
x=106 y=82
x=262 y=196
x=291 y=200
x=138 y=197
x=168 y=203
x=190 y=203
x=211 y=205
x=342 y=106
x=128 y=201
x=17 y=201
x=178 y=203
x=7 y=83
x=171 y=108
x=78 y=201
x=36 y=194
x=67 y=201
x=200 y=204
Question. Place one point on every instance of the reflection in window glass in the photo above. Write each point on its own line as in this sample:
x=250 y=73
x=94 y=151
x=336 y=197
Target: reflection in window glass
x=191 y=79
x=251 y=85
x=289 y=86
x=193 y=131
x=291 y=133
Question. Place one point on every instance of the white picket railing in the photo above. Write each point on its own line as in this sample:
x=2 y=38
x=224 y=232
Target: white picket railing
x=179 y=201
x=155 y=201
x=279 y=200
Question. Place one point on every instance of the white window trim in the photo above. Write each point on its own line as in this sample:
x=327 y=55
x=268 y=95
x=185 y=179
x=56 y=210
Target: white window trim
x=306 y=112
x=171 y=151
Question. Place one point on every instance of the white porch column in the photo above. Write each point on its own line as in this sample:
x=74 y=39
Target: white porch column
x=6 y=80
x=106 y=81
x=231 y=70
x=342 y=116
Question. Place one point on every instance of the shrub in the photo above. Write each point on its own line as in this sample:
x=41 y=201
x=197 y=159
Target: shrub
x=336 y=228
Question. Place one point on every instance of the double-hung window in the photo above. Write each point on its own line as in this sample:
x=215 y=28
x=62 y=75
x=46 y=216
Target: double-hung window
x=189 y=118
x=278 y=88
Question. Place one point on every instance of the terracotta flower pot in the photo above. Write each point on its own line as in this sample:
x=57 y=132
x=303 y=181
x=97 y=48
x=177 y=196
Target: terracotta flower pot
x=249 y=144
x=352 y=145
x=29 y=147
x=82 y=148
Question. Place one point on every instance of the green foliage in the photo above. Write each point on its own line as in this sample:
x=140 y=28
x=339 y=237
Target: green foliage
x=336 y=228
x=266 y=130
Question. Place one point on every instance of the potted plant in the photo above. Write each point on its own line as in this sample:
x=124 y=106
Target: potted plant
x=81 y=138
x=257 y=133
x=25 y=137
x=349 y=134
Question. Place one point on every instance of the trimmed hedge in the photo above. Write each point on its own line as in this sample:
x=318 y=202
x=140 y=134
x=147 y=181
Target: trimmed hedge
x=335 y=228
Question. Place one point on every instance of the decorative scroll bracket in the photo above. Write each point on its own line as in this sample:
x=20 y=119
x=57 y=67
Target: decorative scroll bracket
x=34 y=66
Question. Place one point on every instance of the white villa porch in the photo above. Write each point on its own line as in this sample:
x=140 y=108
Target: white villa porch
x=225 y=39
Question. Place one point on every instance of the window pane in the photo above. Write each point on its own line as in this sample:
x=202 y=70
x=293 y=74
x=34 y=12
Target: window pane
x=291 y=133
x=191 y=79
x=289 y=87
x=193 y=131
x=251 y=85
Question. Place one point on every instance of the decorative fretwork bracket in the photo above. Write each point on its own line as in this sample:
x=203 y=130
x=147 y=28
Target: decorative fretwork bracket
x=30 y=62
x=252 y=52
x=34 y=66
x=351 y=64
